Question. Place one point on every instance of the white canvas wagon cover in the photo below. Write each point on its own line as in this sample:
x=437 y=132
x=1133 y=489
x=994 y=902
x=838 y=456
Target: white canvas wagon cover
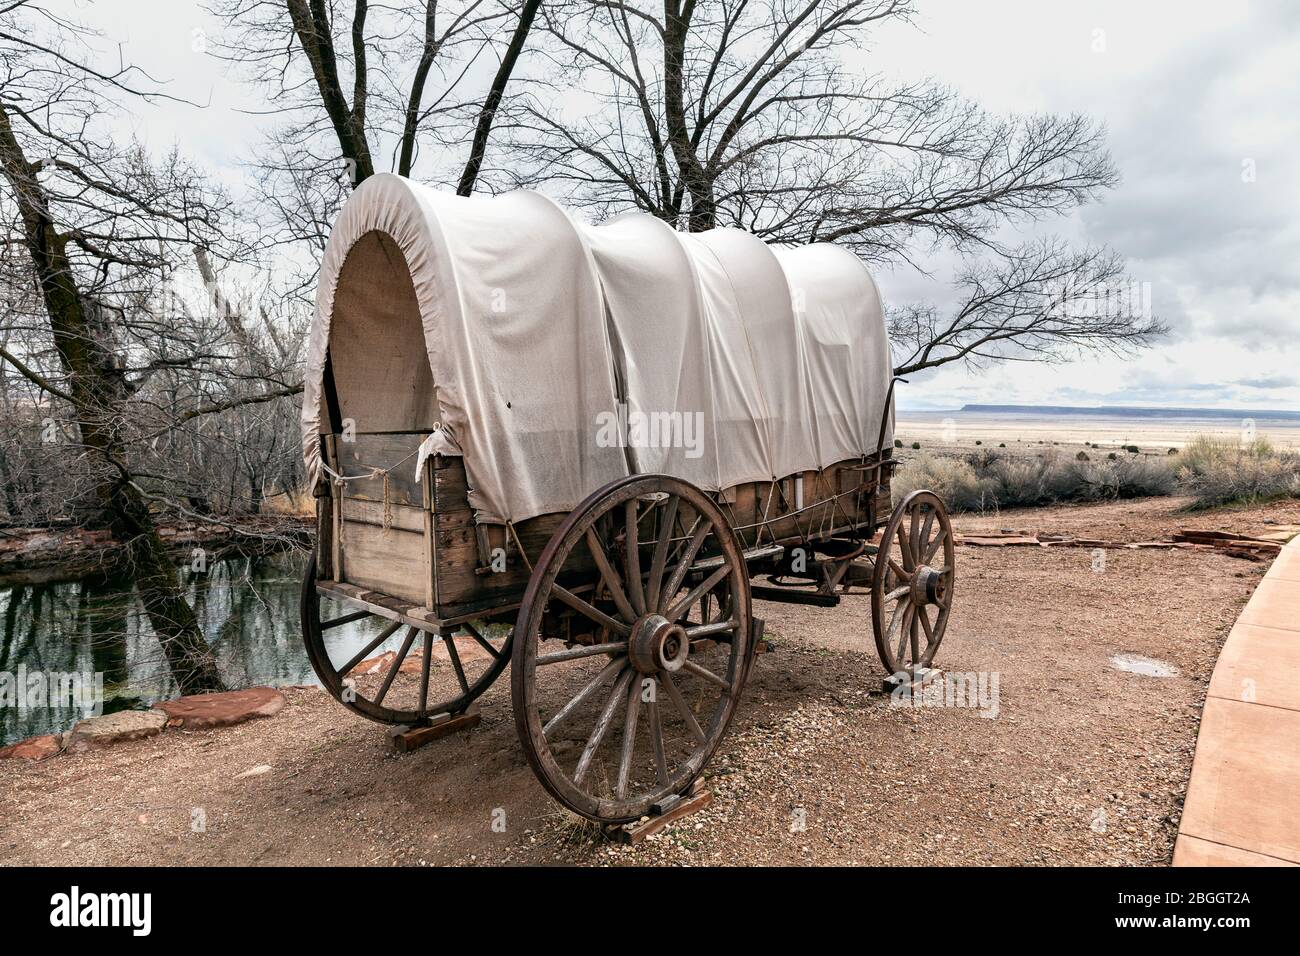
x=555 y=356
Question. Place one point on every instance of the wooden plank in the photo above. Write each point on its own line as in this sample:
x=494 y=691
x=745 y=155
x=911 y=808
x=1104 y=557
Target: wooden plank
x=634 y=833
x=403 y=739
x=395 y=452
x=324 y=537
x=382 y=605
x=336 y=513
x=403 y=517
x=391 y=562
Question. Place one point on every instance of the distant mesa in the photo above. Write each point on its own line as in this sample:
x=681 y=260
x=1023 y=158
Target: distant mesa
x=1136 y=411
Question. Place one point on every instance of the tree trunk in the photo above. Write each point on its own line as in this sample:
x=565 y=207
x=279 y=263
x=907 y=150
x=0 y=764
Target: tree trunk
x=97 y=390
x=677 y=22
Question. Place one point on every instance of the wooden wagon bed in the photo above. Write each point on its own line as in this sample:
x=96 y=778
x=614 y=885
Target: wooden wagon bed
x=411 y=551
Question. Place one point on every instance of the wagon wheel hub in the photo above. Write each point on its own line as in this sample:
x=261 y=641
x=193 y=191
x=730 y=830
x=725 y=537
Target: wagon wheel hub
x=928 y=586
x=657 y=644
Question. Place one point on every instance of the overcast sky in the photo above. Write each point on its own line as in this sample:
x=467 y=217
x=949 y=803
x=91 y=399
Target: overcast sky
x=1202 y=103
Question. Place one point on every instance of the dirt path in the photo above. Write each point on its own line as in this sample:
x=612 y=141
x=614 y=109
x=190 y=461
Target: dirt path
x=1082 y=763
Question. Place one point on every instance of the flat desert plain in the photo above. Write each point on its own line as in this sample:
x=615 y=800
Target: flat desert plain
x=943 y=431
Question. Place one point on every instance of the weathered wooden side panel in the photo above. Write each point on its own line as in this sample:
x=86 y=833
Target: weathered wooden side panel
x=417 y=541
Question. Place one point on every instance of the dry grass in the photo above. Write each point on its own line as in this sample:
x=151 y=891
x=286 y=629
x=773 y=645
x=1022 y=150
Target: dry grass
x=1217 y=472
x=987 y=480
x=298 y=501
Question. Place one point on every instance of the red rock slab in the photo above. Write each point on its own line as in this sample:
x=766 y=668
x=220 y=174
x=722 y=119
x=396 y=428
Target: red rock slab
x=467 y=649
x=109 y=729
x=222 y=710
x=33 y=748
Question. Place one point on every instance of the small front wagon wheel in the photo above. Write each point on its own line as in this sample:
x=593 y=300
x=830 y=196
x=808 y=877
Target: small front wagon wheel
x=912 y=583
x=406 y=685
x=622 y=691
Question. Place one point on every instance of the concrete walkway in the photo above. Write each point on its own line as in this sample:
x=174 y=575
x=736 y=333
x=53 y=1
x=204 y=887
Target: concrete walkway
x=1243 y=799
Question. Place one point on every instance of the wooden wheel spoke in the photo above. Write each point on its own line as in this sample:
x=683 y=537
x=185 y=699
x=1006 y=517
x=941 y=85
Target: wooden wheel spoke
x=899 y=609
x=704 y=587
x=632 y=550
x=904 y=631
x=905 y=545
x=602 y=726
x=587 y=610
x=397 y=662
x=361 y=655
x=683 y=708
x=629 y=738
x=582 y=696
x=899 y=572
x=923 y=541
x=585 y=650
x=898 y=592
x=345 y=619
x=607 y=574
x=657 y=735
x=705 y=674
x=684 y=563
x=914 y=631
x=926 y=626
x=482 y=641
x=449 y=641
x=668 y=518
x=913 y=536
x=934 y=545
x=708 y=630
x=425 y=661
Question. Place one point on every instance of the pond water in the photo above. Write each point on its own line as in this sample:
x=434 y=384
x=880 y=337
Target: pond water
x=96 y=632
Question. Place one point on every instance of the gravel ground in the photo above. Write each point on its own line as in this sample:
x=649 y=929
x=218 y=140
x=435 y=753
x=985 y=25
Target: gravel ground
x=1077 y=762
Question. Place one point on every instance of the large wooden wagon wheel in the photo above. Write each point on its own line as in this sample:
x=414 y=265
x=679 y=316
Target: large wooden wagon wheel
x=632 y=651
x=392 y=693
x=912 y=583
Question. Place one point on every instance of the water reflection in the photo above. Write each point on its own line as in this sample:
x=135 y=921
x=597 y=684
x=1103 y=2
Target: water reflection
x=247 y=607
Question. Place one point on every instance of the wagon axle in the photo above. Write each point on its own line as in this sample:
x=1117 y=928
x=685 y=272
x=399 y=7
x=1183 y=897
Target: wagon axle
x=658 y=644
x=928 y=586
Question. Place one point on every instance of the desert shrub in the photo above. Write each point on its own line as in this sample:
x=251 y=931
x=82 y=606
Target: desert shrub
x=952 y=479
x=982 y=460
x=1083 y=456
x=1035 y=481
x=898 y=443
x=1218 y=471
x=1144 y=477
x=1132 y=449
x=985 y=479
x=916 y=445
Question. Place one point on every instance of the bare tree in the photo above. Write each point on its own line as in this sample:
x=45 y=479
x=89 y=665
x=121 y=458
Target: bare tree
x=747 y=113
x=95 y=340
x=362 y=87
x=1040 y=302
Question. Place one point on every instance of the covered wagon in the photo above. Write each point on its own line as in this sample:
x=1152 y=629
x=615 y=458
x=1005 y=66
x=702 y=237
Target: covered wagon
x=569 y=448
